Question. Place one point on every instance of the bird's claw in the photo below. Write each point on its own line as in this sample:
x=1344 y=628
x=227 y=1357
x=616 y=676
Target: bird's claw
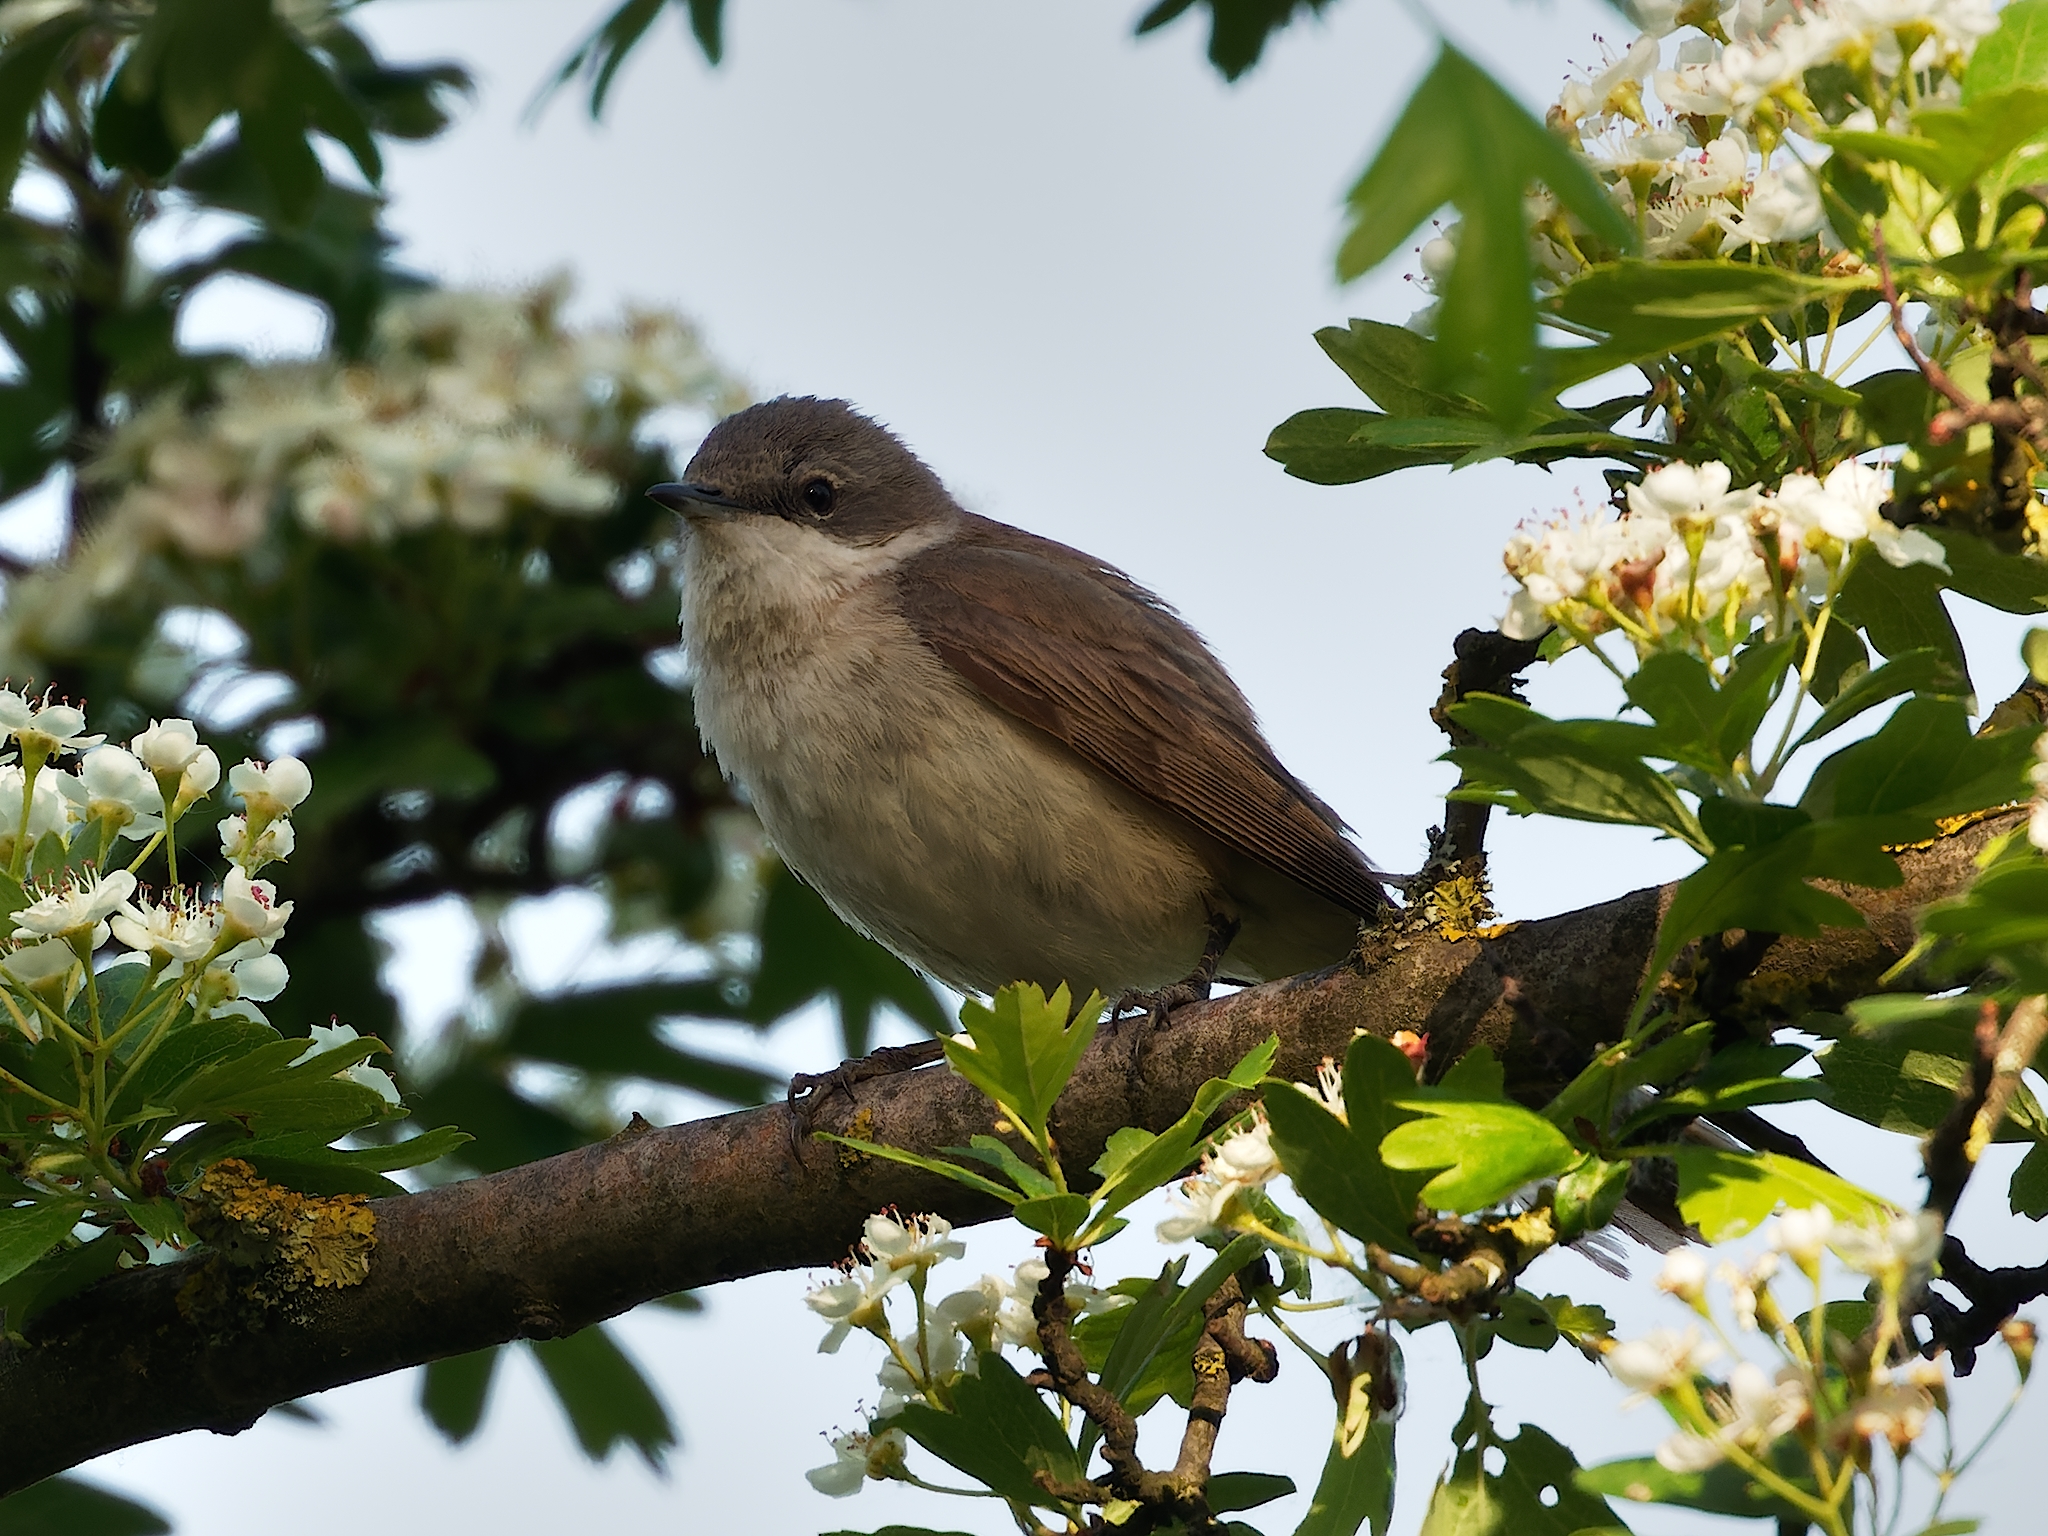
x=809 y=1090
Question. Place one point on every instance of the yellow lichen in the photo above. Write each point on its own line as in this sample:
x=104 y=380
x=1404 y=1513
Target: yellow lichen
x=861 y=1128
x=1460 y=907
x=298 y=1239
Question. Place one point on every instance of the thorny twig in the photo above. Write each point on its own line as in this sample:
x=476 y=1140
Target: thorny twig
x=1223 y=1357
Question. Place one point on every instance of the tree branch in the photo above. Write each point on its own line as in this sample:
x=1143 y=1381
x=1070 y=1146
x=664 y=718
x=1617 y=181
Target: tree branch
x=542 y=1250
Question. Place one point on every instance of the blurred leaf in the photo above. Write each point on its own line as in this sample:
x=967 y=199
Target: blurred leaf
x=1721 y=1490
x=999 y=1433
x=607 y=1400
x=1462 y=140
x=61 y=1274
x=26 y=65
x=455 y=1391
x=1726 y=1194
x=2016 y=52
x=613 y=1030
x=806 y=951
x=605 y=48
x=1355 y=1490
x=2028 y=1190
x=1645 y=308
x=1336 y=1166
x=1238 y=29
x=70 y=1506
x=509 y=1129
x=1469 y=1501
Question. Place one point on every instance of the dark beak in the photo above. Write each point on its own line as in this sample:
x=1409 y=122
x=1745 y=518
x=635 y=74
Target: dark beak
x=684 y=497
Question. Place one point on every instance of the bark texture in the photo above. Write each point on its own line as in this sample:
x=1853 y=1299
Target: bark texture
x=551 y=1247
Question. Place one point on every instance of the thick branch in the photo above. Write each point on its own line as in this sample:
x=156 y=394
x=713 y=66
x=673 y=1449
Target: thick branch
x=548 y=1248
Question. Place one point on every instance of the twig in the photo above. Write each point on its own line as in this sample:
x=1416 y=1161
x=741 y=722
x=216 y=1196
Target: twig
x=1949 y=1156
x=1994 y=1296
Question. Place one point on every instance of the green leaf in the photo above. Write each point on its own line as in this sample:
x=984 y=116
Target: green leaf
x=1238 y=29
x=606 y=1399
x=1336 y=1166
x=1354 y=1490
x=1582 y=770
x=27 y=1232
x=2009 y=583
x=1923 y=762
x=1232 y=1491
x=1900 y=609
x=1904 y=1077
x=63 y=1273
x=1738 y=1077
x=1922 y=672
x=1059 y=1217
x=1340 y=447
x=2016 y=53
x=1487 y=1150
x=1135 y=1163
x=70 y=1506
x=1142 y=1352
x=1726 y=1194
x=1765 y=888
x=455 y=1391
x=1471 y=1502
x=807 y=952
x=940 y=1166
x=1461 y=139
x=2028 y=1191
x=1721 y=1490
x=1395 y=368
x=1020 y=1049
x=1646 y=308
x=615 y=1030
x=999 y=1433
x=1587 y=1196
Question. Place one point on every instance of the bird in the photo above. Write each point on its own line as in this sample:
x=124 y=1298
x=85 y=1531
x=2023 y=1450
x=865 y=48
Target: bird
x=1000 y=757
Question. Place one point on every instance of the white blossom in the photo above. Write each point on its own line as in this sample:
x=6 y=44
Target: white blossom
x=44 y=728
x=1906 y=1245
x=168 y=746
x=1684 y=1274
x=112 y=788
x=198 y=780
x=176 y=929
x=276 y=841
x=77 y=906
x=329 y=1037
x=250 y=908
x=51 y=970
x=853 y=1300
x=1210 y=1199
x=1660 y=1360
x=1801 y=1235
x=857 y=1456
x=271 y=789
x=910 y=1243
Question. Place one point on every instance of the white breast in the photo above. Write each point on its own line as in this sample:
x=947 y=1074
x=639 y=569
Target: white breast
x=979 y=849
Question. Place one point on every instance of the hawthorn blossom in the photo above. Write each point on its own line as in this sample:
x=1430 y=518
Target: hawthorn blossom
x=1759 y=1410
x=250 y=908
x=1684 y=1275
x=113 y=789
x=50 y=970
x=1660 y=1360
x=909 y=1243
x=1212 y=1198
x=276 y=841
x=853 y=1300
x=1891 y=1251
x=271 y=789
x=197 y=781
x=43 y=729
x=330 y=1037
x=168 y=747
x=176 y=929
x=78 y=906
x=857 y=1456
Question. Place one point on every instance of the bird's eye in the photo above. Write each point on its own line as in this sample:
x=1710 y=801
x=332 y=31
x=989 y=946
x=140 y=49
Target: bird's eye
x=818 y=496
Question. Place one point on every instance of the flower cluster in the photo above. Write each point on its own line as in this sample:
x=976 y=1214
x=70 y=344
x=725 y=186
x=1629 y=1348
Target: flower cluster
x=1708 y=145
x=945 y=1341
x=1837 y=1401
x=2037 y=821
x=1692 y=553
x=470 y=405
x=1214 y=1198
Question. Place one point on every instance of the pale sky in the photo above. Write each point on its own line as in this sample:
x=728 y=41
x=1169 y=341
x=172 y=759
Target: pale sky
x=1080 y=275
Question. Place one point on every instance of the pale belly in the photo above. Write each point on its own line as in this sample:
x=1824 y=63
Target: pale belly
x=973 y=846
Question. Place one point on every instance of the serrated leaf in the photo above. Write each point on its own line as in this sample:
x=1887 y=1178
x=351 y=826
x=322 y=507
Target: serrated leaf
x=1132 y=1168
x=1336 y=1166
x=1487 y=1150
x=1922 y=671
x=1355 y=1490
x=1924 y=762
x=1469 y=1501
x=1020 y=1048
x=1462 y=140
x=1726 y=1193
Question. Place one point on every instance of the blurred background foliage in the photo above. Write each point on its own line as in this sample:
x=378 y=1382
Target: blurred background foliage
x=421 y=561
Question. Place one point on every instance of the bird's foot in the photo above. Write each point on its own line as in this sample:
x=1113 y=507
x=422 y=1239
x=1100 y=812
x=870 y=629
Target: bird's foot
x=809 y=1090
x=1194 y=988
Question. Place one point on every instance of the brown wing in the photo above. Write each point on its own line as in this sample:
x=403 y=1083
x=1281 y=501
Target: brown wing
x=1023 y=619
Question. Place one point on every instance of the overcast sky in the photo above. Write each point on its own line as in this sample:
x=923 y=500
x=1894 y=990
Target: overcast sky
x=1080 y=275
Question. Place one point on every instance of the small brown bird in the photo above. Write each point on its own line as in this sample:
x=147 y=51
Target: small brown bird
x=998 y=756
